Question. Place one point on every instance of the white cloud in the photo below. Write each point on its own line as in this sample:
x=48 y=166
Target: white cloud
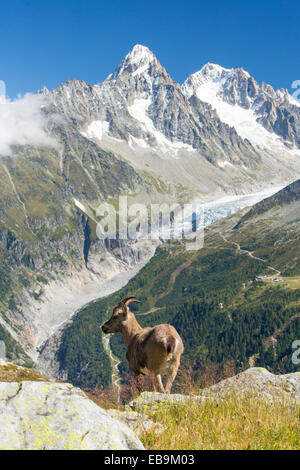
x=22 y=122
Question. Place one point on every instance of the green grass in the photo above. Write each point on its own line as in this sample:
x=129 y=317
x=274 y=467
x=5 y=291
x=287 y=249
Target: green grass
x=233 y=424
x=293 y=282
x=13 y=373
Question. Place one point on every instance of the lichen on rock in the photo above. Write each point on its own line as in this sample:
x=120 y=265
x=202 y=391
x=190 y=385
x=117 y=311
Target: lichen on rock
x=56 y=416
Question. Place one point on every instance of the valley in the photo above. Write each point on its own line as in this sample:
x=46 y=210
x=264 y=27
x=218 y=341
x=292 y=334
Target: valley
x=223 y=318
x=214 y=211
x=219 y=140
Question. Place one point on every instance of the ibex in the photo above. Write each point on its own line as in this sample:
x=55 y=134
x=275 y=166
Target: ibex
x=156 y=350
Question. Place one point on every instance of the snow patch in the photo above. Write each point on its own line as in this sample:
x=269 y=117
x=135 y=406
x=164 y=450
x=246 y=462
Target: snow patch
x=96 y=130
x=224 y=163
x=80 y=206
x=138 y=110
x=141 y=70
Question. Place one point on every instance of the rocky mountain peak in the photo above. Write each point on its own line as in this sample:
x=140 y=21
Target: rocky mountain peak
x=140 y=53
x=216 y=77
x=140 y=60
x=285 y=98
x=213 y=71
x=276 y=112
x=209 y=73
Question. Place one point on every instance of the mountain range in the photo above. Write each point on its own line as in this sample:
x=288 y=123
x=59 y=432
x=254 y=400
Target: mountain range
x=219 y=131
x=138 y=133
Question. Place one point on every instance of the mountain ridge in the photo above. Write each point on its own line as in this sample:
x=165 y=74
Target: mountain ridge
x=277 y=111
x=287 y=195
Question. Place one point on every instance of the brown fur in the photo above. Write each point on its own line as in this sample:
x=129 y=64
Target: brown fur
x=157 y=349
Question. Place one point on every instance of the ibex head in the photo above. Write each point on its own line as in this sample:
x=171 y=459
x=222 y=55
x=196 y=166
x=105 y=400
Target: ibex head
x=119 y=316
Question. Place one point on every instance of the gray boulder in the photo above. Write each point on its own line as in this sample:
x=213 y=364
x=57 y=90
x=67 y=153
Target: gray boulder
x=55 y=416
x=261 y=383
x=256 y=381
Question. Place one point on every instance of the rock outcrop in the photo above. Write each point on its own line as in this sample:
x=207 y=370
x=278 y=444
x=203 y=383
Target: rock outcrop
x=257 y=381
x=138 y=422
x=56 y=416
x=261 y=383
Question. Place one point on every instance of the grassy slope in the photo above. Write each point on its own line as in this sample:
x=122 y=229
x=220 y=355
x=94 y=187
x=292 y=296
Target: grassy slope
x=12 y=373
x=234 y=424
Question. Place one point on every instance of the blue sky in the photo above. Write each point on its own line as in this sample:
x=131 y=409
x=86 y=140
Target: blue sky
x=47 y=42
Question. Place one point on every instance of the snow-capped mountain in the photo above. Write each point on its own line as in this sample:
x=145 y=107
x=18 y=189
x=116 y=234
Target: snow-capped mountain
x=258 y=113
x=211 y=134
x=140 y=104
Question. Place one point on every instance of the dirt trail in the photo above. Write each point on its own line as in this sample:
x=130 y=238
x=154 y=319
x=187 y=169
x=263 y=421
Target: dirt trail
x=172 y=280
x=176 y=273
x=152 y=310
x=249 y=253
x=280 y=330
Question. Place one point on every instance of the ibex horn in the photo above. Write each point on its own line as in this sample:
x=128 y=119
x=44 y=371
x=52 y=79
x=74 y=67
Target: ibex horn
x=128 y=301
